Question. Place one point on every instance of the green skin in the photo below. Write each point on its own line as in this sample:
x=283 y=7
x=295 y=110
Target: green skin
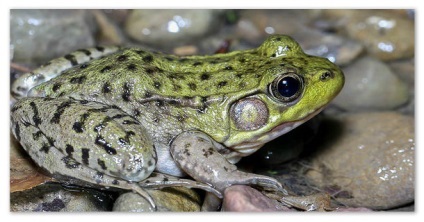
x=111 y=116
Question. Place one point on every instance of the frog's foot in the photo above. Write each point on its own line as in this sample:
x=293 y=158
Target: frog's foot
x=196 y=153
x=158 y=181
x=88 y=141
x=314 y=202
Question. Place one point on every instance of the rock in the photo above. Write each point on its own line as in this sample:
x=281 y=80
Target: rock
x=371 y=85
x=40 y=35
x=337 y=49
x=173 y=27
x=386 y=34
x=371 y=161
x=240 y=198
x=175 y=199
x=53 y=198
x=255 y=25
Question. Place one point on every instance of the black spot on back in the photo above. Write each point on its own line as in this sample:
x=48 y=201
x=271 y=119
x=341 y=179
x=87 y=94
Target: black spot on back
x=59 y=111
x=69 y=149
x=71 y=58
x=78 y=127
x=85 y=51
x=222 y=84
x=100 y=48
x=78 y=80
x=197 y=63
x=85 y=155
x=127 y=92
x=100 y=141
x=106 y=69
x=102 y=164
x=83 y=66
x=56 y=87
x=157 y=85
x=132 y=67
x=36 y=118
x=122 y=58
x=204 y=76
x=148 y=59
x=106 y=88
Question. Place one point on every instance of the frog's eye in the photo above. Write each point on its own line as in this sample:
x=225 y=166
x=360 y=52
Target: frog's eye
x=287 y=87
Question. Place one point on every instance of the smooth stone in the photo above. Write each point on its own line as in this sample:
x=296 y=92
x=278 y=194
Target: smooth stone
x=387 y=34
x=371 y=85
x=241 y=198
x=173 y=27
x=175 y=199
x=369 y=160
x=255 y=25
x=54 y=198
x=40 y=35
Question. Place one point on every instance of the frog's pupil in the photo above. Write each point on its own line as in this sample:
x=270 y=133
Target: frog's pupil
x=288 y=86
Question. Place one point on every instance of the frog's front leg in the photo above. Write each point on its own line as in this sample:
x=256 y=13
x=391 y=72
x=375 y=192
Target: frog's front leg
x=89 y=141
x=196 y=154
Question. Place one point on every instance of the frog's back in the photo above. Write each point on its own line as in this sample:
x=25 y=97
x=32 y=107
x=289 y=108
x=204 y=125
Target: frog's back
x=150 y=73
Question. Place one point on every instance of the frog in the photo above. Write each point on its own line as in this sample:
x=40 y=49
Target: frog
x=133 y=119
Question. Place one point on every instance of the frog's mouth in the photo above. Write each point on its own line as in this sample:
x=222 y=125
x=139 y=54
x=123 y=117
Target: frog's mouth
x=248 y=147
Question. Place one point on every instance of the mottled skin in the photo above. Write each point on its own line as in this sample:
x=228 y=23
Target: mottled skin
x=112 y=116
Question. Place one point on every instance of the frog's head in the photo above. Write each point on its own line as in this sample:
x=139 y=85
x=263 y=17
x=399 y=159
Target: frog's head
x=294 y=88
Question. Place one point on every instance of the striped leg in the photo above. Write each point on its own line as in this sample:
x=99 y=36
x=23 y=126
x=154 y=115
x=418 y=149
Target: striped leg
x=89 y=141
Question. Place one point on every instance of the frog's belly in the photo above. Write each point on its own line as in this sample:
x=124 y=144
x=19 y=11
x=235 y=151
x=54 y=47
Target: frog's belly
x=166 y=163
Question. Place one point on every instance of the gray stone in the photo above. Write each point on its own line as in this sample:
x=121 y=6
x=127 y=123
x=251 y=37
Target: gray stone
x=172 y=27
x=240 y=198
x=54 y=198
x=175 y=199
x=371 y=161
x=371 y=85
x=40 y=35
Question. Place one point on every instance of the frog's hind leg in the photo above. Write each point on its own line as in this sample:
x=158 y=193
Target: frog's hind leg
x=89 y=141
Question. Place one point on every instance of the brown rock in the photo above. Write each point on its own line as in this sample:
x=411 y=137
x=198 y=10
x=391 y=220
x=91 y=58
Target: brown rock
x=372 y=162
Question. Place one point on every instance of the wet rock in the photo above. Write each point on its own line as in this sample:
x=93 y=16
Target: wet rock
x=386 y=34
x=405 y=69
x=255 y=25
x=240 y=198
x=371 y=85
x=53 y=198
x=109 y=33
x=173 y=27
x=337 y=49
x=175 y=199
x=371 y=160
x=40 y=35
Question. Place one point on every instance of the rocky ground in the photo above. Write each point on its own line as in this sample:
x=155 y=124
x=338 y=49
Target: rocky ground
x=360 y=151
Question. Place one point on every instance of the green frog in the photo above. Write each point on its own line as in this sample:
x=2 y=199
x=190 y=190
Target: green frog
x=132 y=119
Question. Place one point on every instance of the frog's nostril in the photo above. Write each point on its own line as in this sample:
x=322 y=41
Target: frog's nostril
x=326 y=75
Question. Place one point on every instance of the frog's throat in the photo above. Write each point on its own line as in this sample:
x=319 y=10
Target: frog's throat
x=248 y=147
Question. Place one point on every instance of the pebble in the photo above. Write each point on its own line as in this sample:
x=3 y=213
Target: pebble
x=240 y=198
x=371 y=85
x=386 y=34
x=40 y=35
x=369 y=161
x=175 y=199
x=54 y=198
x=255 y=25
x=170 y=28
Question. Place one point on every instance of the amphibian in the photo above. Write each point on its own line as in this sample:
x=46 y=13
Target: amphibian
x=129 y=118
